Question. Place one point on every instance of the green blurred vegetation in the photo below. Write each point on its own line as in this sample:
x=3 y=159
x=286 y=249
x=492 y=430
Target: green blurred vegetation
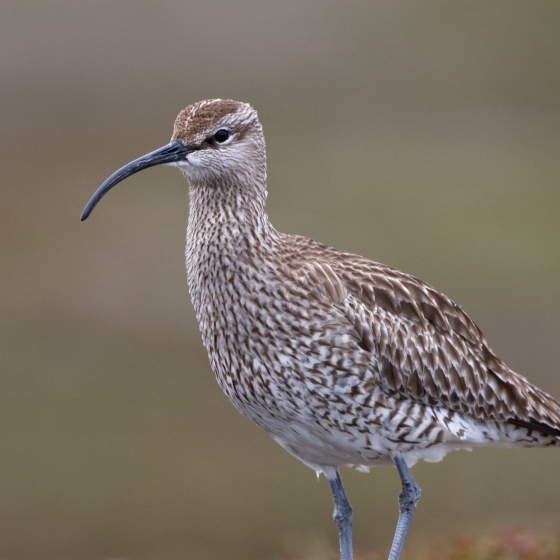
x=424 y=135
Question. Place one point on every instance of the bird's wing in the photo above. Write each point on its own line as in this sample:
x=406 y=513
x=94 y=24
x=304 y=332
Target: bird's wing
x=422 y=345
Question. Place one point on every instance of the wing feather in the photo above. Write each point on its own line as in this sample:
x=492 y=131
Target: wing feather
x=420 y=343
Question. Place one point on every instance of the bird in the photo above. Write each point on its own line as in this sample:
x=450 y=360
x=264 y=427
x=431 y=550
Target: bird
x=344 y=361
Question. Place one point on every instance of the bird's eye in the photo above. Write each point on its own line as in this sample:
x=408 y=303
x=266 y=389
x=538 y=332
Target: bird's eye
x=221 y=136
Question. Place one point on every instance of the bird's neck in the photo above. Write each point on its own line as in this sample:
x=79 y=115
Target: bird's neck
x=225 y=220
x=228 y=231
x=227 y=208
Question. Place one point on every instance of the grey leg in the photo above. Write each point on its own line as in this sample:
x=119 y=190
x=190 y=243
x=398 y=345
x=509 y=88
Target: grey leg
x=408 y=499
x=342 y=516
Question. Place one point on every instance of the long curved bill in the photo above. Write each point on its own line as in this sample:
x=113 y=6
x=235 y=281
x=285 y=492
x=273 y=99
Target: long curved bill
x=174 y=151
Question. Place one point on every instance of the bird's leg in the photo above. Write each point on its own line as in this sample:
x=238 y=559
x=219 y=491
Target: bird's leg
x=342 y=515
x=408 y=499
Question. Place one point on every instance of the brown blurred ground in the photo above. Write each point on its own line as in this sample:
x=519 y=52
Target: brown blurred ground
x=421 y=134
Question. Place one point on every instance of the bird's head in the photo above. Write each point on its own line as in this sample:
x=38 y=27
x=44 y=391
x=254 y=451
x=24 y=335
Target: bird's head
x=214 y=143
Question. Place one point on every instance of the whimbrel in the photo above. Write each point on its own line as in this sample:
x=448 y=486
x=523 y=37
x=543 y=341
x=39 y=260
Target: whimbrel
x=343 y=361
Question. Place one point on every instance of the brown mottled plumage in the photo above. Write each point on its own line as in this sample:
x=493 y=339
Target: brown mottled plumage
x=343 y=361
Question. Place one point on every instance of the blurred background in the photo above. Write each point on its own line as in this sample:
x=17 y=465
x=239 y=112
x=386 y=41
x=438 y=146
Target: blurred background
x=420 y=134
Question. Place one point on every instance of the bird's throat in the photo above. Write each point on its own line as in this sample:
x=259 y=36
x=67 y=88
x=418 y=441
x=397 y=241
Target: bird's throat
x=225 y=221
